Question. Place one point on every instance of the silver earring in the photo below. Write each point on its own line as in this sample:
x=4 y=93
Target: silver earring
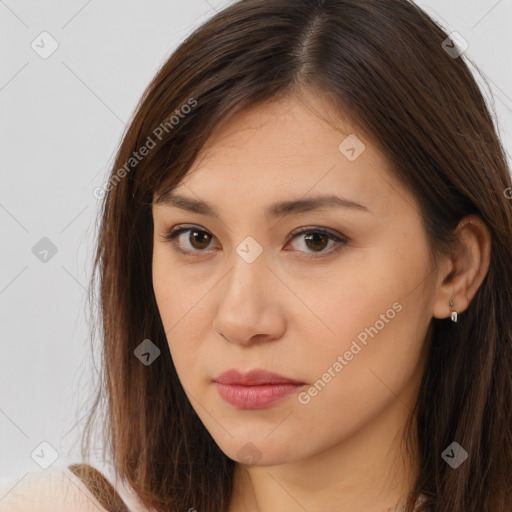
x=453 y=312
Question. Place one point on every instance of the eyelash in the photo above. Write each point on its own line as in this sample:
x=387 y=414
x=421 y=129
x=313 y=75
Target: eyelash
x=171 y=235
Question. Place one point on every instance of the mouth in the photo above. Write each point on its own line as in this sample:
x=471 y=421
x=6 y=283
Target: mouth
x=255 y=389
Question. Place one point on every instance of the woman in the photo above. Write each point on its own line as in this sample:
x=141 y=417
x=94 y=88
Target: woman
x=304 y=267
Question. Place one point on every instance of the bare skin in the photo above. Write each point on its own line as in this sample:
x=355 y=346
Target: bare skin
x=336 y=450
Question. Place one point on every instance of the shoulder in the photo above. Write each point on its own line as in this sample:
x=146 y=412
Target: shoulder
x=55 y=490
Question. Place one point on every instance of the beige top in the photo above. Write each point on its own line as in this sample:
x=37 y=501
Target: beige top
x=52 y=490
x=60 y=490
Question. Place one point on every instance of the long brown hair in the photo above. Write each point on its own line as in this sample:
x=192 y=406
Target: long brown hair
x=384 y=64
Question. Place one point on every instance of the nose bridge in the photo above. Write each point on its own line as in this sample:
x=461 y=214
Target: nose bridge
x=248 y=276
x=246 y=306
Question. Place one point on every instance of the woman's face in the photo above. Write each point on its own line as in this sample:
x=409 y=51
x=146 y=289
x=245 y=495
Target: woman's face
x=334 y=295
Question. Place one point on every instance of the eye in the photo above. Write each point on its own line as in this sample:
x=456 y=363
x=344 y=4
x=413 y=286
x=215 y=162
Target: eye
x=315 y=240
x=196 y=241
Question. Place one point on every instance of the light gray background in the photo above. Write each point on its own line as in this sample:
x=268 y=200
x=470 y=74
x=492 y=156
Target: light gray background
x=61 y=122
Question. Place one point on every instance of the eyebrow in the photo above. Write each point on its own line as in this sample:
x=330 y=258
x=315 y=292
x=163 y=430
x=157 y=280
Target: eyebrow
x=274 y=210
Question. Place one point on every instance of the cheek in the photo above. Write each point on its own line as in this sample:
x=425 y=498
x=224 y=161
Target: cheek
x=378 y=322
x=381 y=295
x=180 y=309
x=342 y=305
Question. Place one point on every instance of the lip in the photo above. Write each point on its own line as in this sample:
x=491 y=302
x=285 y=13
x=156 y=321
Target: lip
x=255 y=389
x=254 y=377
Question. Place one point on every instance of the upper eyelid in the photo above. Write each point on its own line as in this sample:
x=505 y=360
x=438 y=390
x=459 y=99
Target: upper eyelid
x=296 y=231
x=178 y=230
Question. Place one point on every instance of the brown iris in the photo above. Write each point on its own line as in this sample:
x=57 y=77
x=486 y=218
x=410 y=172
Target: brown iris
x=202 y=237
x=313 y=239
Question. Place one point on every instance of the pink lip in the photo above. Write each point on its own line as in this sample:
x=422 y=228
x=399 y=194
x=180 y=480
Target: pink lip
x=255 y=389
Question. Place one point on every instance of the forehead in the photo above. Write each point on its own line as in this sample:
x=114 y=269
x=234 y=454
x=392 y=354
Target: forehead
x=286 y=149
x=296 y=128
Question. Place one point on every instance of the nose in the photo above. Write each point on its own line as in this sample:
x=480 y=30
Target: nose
x=250 y=306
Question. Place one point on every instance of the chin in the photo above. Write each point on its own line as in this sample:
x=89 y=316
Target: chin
x=259 y=451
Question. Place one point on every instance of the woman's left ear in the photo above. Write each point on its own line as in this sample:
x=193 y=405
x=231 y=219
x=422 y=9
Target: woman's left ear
x=463 y=270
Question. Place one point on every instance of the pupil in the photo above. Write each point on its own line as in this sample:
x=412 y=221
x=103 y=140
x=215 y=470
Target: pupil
x=202 y=245
x=314 y=237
